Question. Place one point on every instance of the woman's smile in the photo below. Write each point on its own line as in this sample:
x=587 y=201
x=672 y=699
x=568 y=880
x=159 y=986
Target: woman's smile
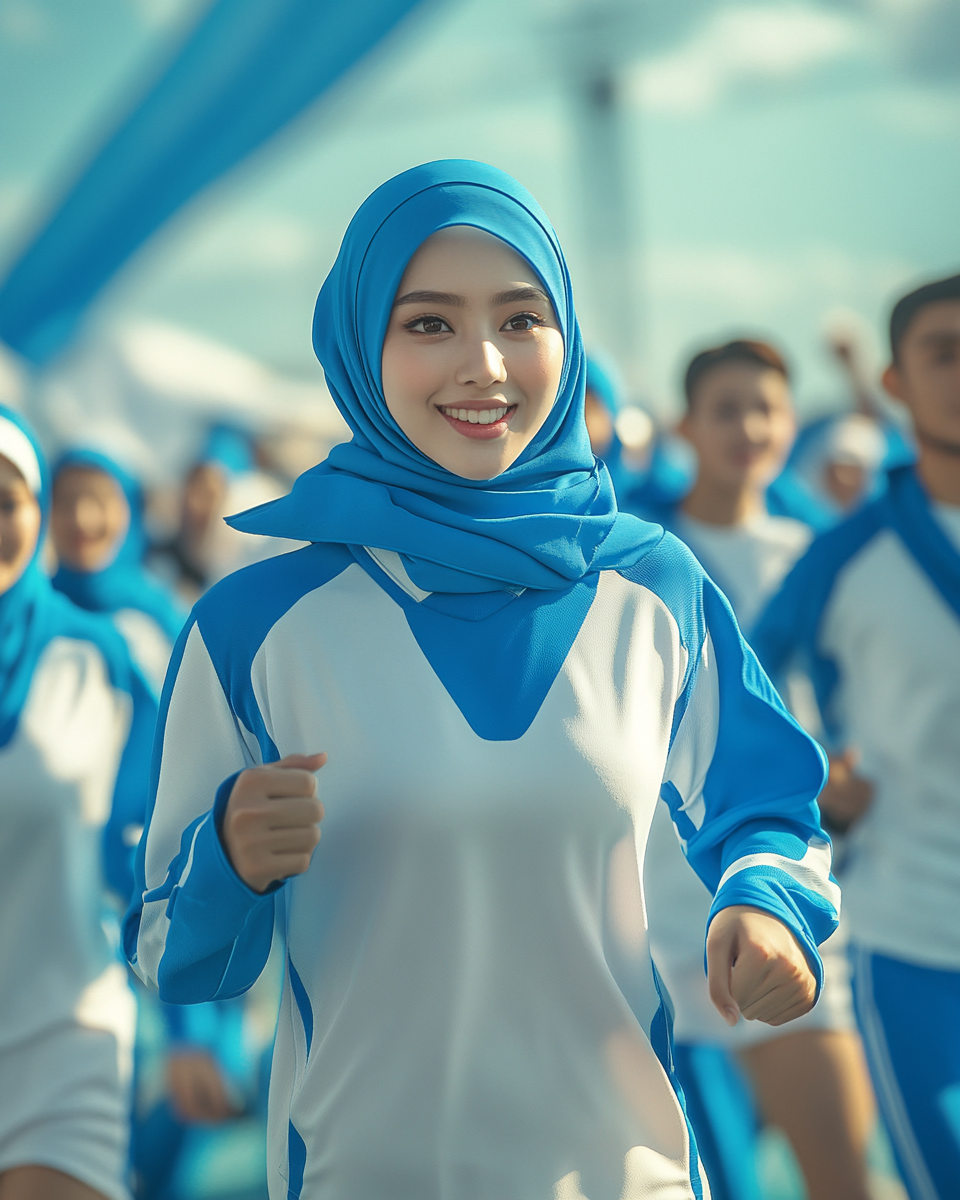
x=479 y=418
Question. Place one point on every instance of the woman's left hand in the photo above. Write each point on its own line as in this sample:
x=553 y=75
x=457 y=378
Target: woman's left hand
x=755 y=966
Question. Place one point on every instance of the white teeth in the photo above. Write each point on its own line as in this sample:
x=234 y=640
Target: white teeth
x=476 y=416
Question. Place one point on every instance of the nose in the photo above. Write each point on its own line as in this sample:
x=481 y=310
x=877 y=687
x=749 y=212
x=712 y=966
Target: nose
x=88 y=517
x=756 y=428
x=482 y=366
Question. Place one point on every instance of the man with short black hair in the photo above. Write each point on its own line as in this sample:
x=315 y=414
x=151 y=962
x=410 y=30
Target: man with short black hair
x=874 y=610
x=809 y=1076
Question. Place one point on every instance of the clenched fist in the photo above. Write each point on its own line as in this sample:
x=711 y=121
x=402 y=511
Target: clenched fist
x=755 y=967
x=272 y=823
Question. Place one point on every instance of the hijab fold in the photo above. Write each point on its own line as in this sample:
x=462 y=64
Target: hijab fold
x=550 y=519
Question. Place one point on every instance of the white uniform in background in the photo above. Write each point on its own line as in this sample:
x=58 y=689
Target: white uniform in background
x=66 y=1013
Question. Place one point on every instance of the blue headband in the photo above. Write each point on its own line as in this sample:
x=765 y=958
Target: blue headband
x=548 y=520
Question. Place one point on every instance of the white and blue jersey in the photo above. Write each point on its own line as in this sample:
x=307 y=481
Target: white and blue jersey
x=469 y=1007
x=58 y=787
x=873 y=611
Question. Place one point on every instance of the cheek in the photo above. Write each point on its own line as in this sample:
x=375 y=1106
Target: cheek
x=118 y=521
x=537 y=368
x=410 y=375
x=25 y=531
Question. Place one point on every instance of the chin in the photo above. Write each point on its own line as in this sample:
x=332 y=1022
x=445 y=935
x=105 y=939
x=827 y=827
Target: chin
x=475 y=473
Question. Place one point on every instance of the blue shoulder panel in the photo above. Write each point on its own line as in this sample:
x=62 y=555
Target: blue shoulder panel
x=790 y=624
x=672 y=572
x=910 y=515
x=237 y=614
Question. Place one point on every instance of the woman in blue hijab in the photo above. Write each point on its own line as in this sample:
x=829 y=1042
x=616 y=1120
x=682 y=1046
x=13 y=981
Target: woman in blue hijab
x=98 y=534
x=506 y=673
x=76 y=724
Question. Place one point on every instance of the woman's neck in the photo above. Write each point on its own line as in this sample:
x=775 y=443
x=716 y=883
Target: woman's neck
x=716 y=503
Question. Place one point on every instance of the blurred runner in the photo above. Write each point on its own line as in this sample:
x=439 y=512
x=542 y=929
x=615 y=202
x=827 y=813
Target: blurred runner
x=226 y=479
x=208 y=1057
x=873 y=611
x=97 y=529
x=809 y=1076
x=76 y=727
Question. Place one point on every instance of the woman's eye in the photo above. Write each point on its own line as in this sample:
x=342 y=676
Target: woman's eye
x=429 y=325
x=521 y=322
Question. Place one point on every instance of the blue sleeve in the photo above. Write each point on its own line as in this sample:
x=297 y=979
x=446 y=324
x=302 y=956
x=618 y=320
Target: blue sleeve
x=741 y=784
x=194 y=930
x=220 y=931
x=131 y=787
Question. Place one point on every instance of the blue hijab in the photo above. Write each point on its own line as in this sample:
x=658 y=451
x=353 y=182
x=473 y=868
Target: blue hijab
x=550 y=520
x=123 y=582
x=31 y=612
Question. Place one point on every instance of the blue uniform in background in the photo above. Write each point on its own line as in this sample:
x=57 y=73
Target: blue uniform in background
x=872 y=612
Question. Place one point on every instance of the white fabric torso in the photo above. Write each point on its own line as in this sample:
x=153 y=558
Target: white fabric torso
x=149 y=646
x=750 y=559
x=897 y=645
x=56 y=786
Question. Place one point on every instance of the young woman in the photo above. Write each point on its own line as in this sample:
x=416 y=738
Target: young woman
x=506 y=673
x=98 y=534
x=75 y=730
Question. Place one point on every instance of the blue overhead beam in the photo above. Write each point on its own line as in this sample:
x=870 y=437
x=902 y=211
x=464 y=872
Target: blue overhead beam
x=246 y=70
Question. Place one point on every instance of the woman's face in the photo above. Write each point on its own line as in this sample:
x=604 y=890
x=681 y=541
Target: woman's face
x=473 y=354
x=19 y=524
x=89 y=518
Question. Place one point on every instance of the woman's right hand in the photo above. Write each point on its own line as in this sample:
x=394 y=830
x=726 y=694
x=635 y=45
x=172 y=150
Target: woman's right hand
x=272 y=823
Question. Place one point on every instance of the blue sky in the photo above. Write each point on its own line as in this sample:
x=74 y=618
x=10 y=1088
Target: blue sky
x=788 y=160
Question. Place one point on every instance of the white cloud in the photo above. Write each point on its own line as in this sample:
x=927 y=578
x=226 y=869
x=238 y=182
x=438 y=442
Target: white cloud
x=159 y=13
x=747 y=280
x=251 y=242
x=744 y=42
x=24 y=22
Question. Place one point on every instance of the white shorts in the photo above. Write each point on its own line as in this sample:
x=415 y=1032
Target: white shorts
x=64 y=1103
x=695 y=1019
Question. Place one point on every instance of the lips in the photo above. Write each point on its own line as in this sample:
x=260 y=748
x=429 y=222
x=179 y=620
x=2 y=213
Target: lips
x=483 y=423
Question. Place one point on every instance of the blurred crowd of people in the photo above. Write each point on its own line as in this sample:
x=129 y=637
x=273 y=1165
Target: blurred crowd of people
x=96 y=579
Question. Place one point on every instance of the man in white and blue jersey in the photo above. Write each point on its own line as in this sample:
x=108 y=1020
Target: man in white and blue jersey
x=808 y=1078
x=874 y=610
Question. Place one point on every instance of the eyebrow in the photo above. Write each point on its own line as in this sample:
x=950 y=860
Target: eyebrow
x=519 y=294
x=940 y=335
x=514 y=296
x=430 y=298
